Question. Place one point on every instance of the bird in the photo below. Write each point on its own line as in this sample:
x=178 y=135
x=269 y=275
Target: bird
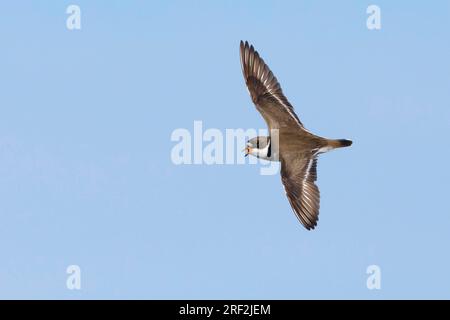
x=289 y=142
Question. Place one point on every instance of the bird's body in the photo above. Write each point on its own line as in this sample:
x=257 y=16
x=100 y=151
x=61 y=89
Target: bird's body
x=289 y=142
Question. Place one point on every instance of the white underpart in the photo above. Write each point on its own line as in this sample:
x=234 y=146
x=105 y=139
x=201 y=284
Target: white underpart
x=309 y=168
x=260 y=153
x=324 y=149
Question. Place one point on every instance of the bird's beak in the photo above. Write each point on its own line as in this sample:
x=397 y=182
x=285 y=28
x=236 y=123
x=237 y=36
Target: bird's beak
x=247 y=151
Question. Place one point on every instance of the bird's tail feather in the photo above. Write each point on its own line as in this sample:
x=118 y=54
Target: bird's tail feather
x=339 y=143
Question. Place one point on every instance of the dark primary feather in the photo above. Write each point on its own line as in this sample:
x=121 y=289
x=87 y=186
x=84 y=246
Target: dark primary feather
x=265 y=91
x=303 y=194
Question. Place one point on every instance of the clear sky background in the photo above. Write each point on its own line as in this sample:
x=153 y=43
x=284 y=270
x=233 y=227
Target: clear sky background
x=86 y=176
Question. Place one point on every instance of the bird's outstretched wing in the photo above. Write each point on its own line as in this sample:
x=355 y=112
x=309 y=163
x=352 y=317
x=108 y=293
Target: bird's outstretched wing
x=265 y=90
x=298 y=176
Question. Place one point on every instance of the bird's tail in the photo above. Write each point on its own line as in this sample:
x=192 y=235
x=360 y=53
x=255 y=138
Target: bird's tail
x=339 y=143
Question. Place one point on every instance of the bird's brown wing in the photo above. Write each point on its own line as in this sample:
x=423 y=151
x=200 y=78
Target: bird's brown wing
x=266 y=92
x=298 y=175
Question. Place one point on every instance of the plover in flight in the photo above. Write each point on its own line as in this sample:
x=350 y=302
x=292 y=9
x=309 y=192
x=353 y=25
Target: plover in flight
x=295 y=147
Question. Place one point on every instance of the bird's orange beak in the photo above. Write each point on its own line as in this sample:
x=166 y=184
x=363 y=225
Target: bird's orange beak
x=247 y=151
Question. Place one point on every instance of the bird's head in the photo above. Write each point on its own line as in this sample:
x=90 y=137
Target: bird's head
x=258 y=147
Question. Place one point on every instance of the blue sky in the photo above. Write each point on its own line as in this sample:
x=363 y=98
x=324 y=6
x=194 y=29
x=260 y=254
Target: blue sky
x=86 y=176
